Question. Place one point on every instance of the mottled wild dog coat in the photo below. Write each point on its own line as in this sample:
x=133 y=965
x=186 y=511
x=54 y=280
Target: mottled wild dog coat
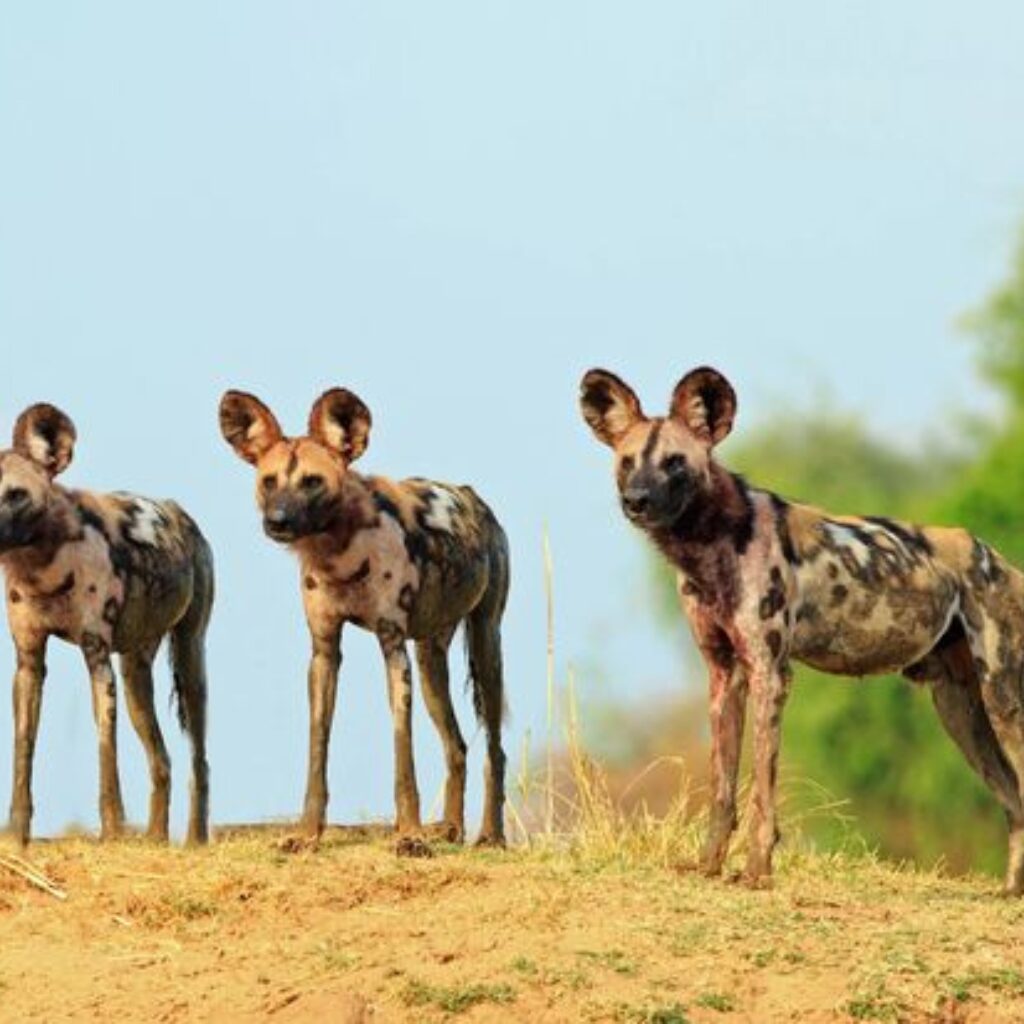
x=405 y=560
x=764 y=581
x=110 y=573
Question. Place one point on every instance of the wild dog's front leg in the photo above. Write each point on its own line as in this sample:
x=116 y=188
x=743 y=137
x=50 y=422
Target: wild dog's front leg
x=407 y=799
x=728 y=693
x=28 y=698
x=769 y=687
x=104 y=706
x=323 y=688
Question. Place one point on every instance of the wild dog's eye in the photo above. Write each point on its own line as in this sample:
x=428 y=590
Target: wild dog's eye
x=627 y=464
x=311 y=482
x=268 y=483
x=673 y=463
x=16 y=495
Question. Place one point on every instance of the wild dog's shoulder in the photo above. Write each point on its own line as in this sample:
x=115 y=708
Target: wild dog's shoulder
x=806 y=532
x=432 y=506
x=132 y=521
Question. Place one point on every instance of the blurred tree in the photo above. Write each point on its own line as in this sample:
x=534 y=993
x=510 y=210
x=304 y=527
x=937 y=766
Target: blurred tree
x=990 y=497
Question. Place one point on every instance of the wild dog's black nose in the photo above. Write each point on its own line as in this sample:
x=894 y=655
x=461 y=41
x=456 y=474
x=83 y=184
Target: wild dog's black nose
x=635 y=502
x=276 y=515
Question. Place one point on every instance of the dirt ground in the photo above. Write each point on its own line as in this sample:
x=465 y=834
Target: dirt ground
x=245 y=931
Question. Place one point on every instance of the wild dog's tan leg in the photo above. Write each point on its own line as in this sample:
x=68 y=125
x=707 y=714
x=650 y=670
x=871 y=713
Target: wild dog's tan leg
x=996 y=647
x=727 y=684
x=136 y=670
x=28 y=698
x=769 y=687
x=399 y=671
x=104 y=706
x=323 y=688
x=432 y=659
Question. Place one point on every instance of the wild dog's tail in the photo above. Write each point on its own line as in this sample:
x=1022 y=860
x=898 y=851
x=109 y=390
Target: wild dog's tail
x=187 y=643
x=483 y=636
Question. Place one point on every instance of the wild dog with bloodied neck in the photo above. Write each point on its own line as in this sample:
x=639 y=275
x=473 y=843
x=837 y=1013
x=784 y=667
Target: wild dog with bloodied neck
x=764 y=581
x=407 y=560
x=110 y=573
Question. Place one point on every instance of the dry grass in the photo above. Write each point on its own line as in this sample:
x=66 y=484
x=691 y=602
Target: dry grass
x=242 y=931
x=588 y=917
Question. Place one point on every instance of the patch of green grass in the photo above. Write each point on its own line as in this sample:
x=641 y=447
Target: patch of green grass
x=457 y=998
x=524 y=965
x=613 y=959
x=334 y=959
x=674 y=1013
x=717 y=1001
x=1006 y=980
x=874 y=1006
x=572 y=978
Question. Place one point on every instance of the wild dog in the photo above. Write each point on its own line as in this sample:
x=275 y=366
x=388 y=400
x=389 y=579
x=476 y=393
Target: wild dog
x=405 y=560
x=764 y=581
x=110 y=573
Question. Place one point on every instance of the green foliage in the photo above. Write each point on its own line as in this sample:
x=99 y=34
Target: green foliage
x=878 y=743
x=999 y=327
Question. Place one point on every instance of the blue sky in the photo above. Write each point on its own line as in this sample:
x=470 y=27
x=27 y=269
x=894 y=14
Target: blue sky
x=456 y=209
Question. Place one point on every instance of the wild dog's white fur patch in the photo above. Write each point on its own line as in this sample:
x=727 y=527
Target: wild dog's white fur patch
x=443 y=505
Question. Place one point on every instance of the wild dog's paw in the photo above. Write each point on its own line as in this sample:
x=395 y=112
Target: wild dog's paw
x=445 y=832
x=489 y=840
x=754 y=881
x=297 y=842
x=412 y=846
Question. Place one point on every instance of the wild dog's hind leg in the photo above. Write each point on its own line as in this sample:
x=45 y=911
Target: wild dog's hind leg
x=432 y=659
x=950 y=671
x=727 y=684
x=136 y=670
x=28 y=698
x=997 y=650
x=104 y=706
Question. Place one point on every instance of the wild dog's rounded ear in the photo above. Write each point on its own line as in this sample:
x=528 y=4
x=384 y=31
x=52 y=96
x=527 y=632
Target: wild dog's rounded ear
x=705 y=401
x=248 y=425
x=340 y=420
x=45 y=435
x=609 y=405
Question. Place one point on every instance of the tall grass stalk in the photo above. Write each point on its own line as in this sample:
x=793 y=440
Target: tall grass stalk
x=549 y=591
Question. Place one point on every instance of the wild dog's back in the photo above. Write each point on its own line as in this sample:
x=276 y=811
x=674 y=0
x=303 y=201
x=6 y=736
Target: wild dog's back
x=456 y=543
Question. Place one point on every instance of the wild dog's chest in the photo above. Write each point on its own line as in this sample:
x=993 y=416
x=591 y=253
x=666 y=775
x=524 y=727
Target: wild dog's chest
x=373 y=580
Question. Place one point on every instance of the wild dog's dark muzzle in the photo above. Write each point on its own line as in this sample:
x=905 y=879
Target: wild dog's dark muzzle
x=657 y=501
x=281 y=520
x=19 y=521
x=287 y=517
